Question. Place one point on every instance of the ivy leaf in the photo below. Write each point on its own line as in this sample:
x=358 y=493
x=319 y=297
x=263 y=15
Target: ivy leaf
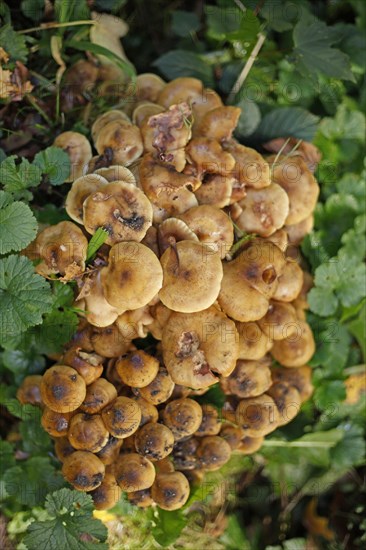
x=313 y=49
x=17 y=178
x=30 y=482
x=18 y=226
x=54 y=163
x=13 y=43
x=24 y=296
x=71 y=525
x=178 y=63
x=168 y=526
x=184 y=23
x=287 y=122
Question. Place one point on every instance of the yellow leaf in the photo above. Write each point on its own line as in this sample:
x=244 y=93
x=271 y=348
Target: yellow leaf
x=104 y=516
x=317 y=525
x=355 y=387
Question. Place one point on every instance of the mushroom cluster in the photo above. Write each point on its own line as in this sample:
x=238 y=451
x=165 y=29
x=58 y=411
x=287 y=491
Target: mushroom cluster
x=199 y=282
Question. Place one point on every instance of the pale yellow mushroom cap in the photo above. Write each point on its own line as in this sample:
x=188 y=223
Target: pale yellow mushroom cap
x=110 y=116
x=250 y=167
x=297 y=349
x=133 y=277
x=122 y=139
x=116 y=172
x=79 y=192
x=79 y=150
x=192 y=276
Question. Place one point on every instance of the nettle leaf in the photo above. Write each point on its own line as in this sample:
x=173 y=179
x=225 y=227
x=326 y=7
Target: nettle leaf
x=71 y=525
x=167 y=526
x=13 y=43
x=18 y=178
x=184 y=23
x=18 y=226
x=24 y=296
x=287 y=122
x=54 y=162
x=30 y=482
x=178 y=63
x=314 y=53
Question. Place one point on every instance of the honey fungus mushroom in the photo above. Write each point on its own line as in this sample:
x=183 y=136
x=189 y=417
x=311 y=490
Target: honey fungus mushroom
x=170 y=491
x=197 y=345
x=154 y=441
x=258 y=416
x=109 y=341
x=192 y=274
x=79 y=150
x=83 y=470
x=249 y=379
x=116 y=172
x=159 y=390
x=122 y=417
x=183 y=417
x=88 y=365
x=293 y=175
x=253 y=341
x=287 y=399
x=121 y=209
x=299 y=377
x=290 y=282
x=180 y=89
x=250 y=169
x=213 y=452
x=133 y=277
x=296 y=349
x=148 y=87
x=280 y=321
x=211 y=421
x=29 y=392
x=61 y=249
x=80 y=190
x=215 y=190
x=219 y=123
x=107 y=494
x=54 y=423
x=62 y=389
x=98 y=395
x=98 y=311
x=207 y=156
x=137 y=369
x=87 y=432
x=134 y=472
x=171 y=231
x=112 y=115
x=122 y=140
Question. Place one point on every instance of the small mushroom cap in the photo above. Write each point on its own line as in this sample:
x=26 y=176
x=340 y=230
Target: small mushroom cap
x=293 y=175
x=170 y=491
x=122 y=417
x=253 y=342
x=183 y=417
x=180 y=89
x=144 y=110
x=204 y=103
x=250 y=445
x=196 y=344
x=263 y=210
x=55 y=423
x=109 y=341
x=142 y=499
x=290 y=282
x=80 y=190
x=110 y=116
x=299 y=377
x=212 y=226
x=123 y=139
x=83 y=470
x=295 y=350
x=172 y=231
x=149 y=86
x=87 y=432
x=215 y=190
x=98 y=311
x=121 y=209
x=116 y=172
x=207 y=156
x=98 y=394
x=62 y=389
x=134 y=472
x=160 y=389
x=137 y=369
x=88 y=365
x=213 y=452
x=29 y=392
x=232 y=434
x=167 y=131
x=287 y=399
x=155 y=441
x=107 y=494
x=192 y=276
x=249 y=379
x=219 y=123
x=149 y=413
x=210 y=423
x=279 y=238
x=63 y=448
x=279 y=322
x=62 y=249
x=250 y=167
x=79 y=150
x=160 y=180
x=133 y=277
x=160 y=314
x=297 y=232
x=135 y=324
x=258 y=416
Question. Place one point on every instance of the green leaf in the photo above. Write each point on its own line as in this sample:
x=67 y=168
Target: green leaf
x=13 y=43
x=184 y=23
x=24 y=296
x=56 y=330
x=168 y=526
x=221 y=21
x=33 y=9
x=333 y=340
x=352 y=288
x=7 y=459
x=18 y=227
x=96 y=242
x=23 y=362
x=71 y=526
x=234 y=535
x=314 y=52
x=54 y=163
x=124 y=65
x=328 y=393
x=248 y=30
x=357 y=328
x=350 y=451
x=287 y=122
x=347 y=123
x=17 y=178
x=30 y=482
x=178 y=63
x=249 y=119
x=322 y=301
x=51 y=214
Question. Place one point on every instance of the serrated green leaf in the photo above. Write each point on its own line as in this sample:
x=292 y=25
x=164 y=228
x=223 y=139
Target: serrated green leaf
x=352 y=288
x=350 y=451
x=24 y=296
x=329 y=393
x=18 y=227
x=287 y=122
x=184 y=23
x=72 y=527
x=333 y=340
x=322 y=301
x=54 y=162
x=314 y=52
x=17 y=178
x=13 y=43
x=178 y=63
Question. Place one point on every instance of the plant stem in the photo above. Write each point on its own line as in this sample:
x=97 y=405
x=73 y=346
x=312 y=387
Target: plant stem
x=34 y=104
x=311 y=444
x=51 y=25
x=248 y=65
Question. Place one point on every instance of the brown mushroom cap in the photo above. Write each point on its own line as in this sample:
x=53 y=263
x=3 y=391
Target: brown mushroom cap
x=250 y=169
x=62 y=389
x=148 y=86
x=183 y=417
x=258 y=416
x=122 y=417
x=196 y=344
x=192 y=276
x=219 y=123
x=279 y=238
x=263 y=210
x=155 y=441
x=250 y=445
x=116 y=172
x=134 y=472
x=159 y=390
x=215 y=190
x=170 y=491
x=79 y=150
x=123 y=139
x=29 y=392
x=121 y=209
x=98 y=394
x=167 y=131
x=107 y=494
x=133 y=277
x=172 y=231
x=137 y=369
x=109 y=341
x=204 y=103
x=232 y=435
x=142 y=499
x=293 y=175
x=62 y=249
x=83 y=470
x=79 y=191
x=249 y=379
x=55 y=423
x=297 y=232
x=160 y=314
x=98 y=311
x=287 y=399
x=279 y=322
x=180 y=89
x=253 y=342
x=297 y=349
x=212 y=226
x=213 y=452
x=87 y=432
x=109 y=116
x=211 y=421
x=299 y=377
x=135 y=324
x=208 y=156
x=144 y=110
x=149 y=413
x=88 y=365
x=290 y=282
